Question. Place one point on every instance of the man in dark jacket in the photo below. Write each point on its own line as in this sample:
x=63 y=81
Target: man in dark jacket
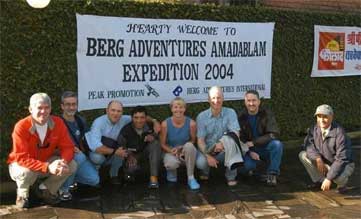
x=259 y=131
x=328 y=155
x=140 y=141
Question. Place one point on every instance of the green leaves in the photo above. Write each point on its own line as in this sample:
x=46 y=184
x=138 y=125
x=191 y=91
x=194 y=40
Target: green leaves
x=38 y=54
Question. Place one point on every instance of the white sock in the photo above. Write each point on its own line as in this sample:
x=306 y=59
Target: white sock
x=190 y=177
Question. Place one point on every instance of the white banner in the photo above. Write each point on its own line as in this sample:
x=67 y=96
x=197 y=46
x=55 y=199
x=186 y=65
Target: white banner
x=151 y=61
x=337 y=51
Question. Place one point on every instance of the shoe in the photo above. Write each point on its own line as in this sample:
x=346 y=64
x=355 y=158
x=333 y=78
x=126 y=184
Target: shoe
x=314 y=186
x=342 y=190
x=22 y=202
x=115 y=180
x=65 y=195
x=236 y=165
x=73 y=187
x=271 y=180
x=203 y=177
x=46 y=196
x=129 y=178
x=153 y=183
x=193 y=184
x=261 y=177
x=232 y=182
x=172 y=176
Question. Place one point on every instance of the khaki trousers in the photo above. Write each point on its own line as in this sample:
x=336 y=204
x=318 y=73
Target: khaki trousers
x=25 y=178
x=316 y=176
x=172 y=162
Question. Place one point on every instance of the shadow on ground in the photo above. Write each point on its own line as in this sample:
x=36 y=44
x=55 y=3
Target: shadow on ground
x=249 y=199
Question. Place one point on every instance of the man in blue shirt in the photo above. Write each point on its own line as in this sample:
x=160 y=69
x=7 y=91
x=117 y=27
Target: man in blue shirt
x=86 y=172
x=108 y=127
x=212 y=124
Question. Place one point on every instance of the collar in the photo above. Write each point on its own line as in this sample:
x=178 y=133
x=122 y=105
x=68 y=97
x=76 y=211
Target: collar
x=210 y=115
x=51 y=125
x=145 y=127
x=326 y=130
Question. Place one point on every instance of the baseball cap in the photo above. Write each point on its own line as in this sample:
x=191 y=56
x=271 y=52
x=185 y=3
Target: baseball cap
x=324 y=109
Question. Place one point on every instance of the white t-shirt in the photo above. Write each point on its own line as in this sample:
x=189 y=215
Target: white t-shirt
x=41 y=130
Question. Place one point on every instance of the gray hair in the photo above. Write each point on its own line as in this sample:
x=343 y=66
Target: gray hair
x=114 y=101
x=39 y=98
x=215 y=88
x=68 y=94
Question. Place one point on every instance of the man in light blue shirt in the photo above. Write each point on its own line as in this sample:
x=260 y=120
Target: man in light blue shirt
x=212 y=124
x=108 y=127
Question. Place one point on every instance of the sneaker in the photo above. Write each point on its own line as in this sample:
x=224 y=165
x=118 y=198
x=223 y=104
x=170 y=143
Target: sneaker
x=232 y=182
x=115 y=180
x=314 y=186
x=193 y=184
x=73 y=187
x=271 y=180
x=65 y=195
x=22 y=202
x=47 y=197
x=153 y=184
x=172 y=176
x=342 y=190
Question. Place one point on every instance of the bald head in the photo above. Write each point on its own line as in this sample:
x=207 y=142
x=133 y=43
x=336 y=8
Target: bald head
x=114 y=111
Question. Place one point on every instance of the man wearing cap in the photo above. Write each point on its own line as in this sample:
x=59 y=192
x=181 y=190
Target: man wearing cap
x=328 y=154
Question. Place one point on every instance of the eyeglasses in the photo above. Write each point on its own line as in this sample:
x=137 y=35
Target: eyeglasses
x=69 y=104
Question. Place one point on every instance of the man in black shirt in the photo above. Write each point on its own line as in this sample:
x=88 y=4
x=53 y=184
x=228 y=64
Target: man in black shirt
x=141 y=142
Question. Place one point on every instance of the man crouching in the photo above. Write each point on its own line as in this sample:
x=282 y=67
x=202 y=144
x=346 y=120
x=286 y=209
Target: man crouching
x=34 y=155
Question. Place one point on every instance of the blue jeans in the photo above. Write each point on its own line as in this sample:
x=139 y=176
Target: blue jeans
x=114 y=161
x=202 y=164
x=272 y=153
x=248 y=165
x=85 y=174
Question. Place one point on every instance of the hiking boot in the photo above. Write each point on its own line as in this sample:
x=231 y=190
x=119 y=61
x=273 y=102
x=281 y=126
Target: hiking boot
x=65 y=195
x=73 y=187
x=342 y=190
x=22 y=202
x=271 y=180
x=172 y=176
x=46 y=196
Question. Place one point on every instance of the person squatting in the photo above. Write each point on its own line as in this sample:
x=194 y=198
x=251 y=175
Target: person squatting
x=51 y=154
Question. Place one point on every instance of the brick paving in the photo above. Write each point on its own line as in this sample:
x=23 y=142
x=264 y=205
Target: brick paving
x=249 y=199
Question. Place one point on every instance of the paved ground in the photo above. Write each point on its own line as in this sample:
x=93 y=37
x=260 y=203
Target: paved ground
x=249 y=199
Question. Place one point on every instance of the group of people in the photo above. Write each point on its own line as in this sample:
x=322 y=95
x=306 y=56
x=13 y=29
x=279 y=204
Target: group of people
x=51 y=154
